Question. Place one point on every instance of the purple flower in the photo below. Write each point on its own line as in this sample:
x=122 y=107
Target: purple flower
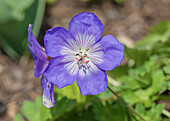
x=81 y=54
x=48 y=93
x=38 y=53
x=41 y=62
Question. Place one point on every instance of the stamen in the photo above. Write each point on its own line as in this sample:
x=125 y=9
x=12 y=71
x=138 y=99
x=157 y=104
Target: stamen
x=82 y=60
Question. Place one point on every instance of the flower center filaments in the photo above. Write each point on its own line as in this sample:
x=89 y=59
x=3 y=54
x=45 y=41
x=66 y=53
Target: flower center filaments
x=82 y=60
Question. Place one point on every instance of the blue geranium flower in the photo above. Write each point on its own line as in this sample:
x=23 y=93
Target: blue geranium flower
x=41 y=62
x=81 y=54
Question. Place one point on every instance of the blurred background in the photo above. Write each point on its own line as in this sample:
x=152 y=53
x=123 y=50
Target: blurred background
x=143 y=79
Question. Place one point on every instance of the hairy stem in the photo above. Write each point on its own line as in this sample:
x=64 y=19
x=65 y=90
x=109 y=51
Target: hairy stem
x=133 y=110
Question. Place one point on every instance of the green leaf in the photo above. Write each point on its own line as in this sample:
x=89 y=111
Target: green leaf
x=61 y=106
x=152 y=114
x=110 y=112
x=71 y=92
x=105 y=95
x=155 y=112
x=118 y=72
x=167 y=69
x=158 y=81
x=139 y=56
x=151 y=64
x=130 y=97
x=32 y=110
x=130 y=83
x=165 y=61
x=140 y=108
x=166 y=119
x=18 y=117
x=79 y=115
x=140 y=95
x=169 y=85
x=45 y=113
x=148 y=41
x=36 y=111
x=161 y=28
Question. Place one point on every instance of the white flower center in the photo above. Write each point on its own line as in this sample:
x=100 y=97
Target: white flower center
x=82 y=60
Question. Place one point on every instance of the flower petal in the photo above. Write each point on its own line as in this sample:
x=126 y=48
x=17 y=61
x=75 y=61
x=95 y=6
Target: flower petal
x=93 y=81
x=86 y=28
x=34 y=55
x=59 y=41
x=31 y=37
x=62 y=71
x=35 y=45
x=48 y=93
x=108 y=53
x=40 y=66
x=38 y=54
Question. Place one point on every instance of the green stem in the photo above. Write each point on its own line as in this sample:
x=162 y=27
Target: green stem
x=133 y=110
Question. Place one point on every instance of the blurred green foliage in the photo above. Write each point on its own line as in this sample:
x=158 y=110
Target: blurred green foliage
x=153 y=114
x=50 y=1
x=15 y=16
x=143 y=80
x=120 y=2
x=111 y=112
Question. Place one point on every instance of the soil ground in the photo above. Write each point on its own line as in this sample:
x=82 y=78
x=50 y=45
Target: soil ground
x=128 y=22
